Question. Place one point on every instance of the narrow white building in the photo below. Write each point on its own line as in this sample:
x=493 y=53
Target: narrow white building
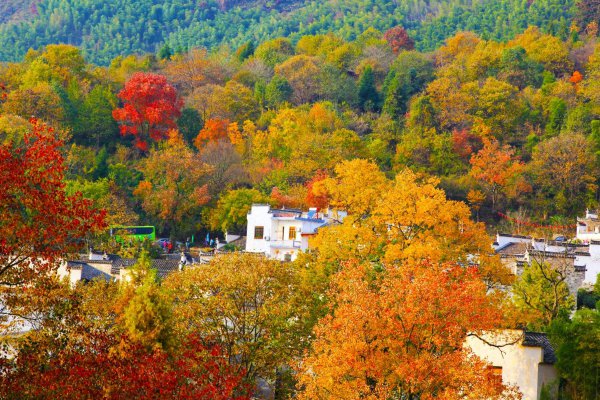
x=282 y=234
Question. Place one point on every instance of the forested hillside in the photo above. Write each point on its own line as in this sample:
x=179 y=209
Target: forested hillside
x=428 y=152
x=107 y=29
x=261 y=123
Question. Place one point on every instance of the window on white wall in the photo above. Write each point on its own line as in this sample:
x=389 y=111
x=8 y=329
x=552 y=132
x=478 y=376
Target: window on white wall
x=292 y=233
x=259 y=232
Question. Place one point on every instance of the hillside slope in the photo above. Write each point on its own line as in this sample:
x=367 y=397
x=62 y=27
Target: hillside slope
x=17 y=10
x=107 y=29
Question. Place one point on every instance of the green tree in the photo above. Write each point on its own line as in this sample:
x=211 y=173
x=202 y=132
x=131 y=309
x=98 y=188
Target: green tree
x=557 y=111
x=278 y=91
x=165 y=52
x=541 y=292
x=245 y=51
x=95 y=124
x=368 y=97
x=233 y=207
x=190 y=123
x=577 y=350
x=146 y=315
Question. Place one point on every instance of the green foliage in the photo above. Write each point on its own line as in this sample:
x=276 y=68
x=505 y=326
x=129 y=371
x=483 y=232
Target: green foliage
x=277 y=91
x=106 y=30
x=165 y=52
x=232 y=209
x=146 y=315
x=244 y=51
x=556 y=115
x=190 y=123
x=587 y=299
x=368 y=98
x=578 y=352
x=542 y=292
x=94 y=124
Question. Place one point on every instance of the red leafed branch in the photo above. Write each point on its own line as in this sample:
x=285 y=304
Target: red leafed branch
x=38 y=221
x=94 y=370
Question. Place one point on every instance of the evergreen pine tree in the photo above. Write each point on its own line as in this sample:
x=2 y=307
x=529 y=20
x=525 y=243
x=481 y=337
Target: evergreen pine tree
x=368 y=98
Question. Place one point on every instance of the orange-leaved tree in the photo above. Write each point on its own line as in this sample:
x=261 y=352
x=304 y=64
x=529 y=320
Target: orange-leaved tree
x=399 y=332
x=407 y=218
x=175 y=183
x=498 y=171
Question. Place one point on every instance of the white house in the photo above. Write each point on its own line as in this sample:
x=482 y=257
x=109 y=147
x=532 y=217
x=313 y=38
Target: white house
x=523 y=359
x=588 y=227
x=282 y=234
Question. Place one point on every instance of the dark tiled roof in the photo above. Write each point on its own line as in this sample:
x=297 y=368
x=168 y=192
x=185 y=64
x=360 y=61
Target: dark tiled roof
x=165 y=267
x=580 y=268
x=514 y=236
x=88 y=272
x=536 y=339
x=75 y=264
x=122 y=263
x=550 y=254
x=582 y=253
x=512 y=249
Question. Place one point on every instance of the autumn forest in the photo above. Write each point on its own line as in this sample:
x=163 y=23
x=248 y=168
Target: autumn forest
x=434 y=127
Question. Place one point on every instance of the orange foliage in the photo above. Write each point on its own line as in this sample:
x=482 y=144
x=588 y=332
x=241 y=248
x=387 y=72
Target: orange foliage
x=214 y=130
x=498 y=171
x=316 y=198
x=398 y=332
x=294 y=198
x=576 y=77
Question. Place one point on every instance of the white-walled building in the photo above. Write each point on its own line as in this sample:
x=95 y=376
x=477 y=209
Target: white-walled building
x=282 y=234
x=585 y=257
x=588 y=227
x=523 y=359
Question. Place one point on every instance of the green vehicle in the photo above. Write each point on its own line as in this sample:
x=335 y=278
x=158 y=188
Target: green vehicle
x=122 y=233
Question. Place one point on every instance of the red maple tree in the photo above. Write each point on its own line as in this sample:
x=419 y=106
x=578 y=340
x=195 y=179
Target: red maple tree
x=319 y=200
x=38 y=221
x=93 y=370
x=465 y=143
x=151 y=108
x=398 y=39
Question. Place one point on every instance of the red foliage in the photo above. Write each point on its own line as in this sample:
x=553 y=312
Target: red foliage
x=313 y=200
x=3 y=92
x=464 y=143
x=95 y=371
x=151 y=107
x=398 y=39
x=214 y=130
x=38 y=222
x=284 y=200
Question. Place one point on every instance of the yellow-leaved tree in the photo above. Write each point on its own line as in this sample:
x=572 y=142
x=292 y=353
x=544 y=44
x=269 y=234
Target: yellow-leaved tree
x=410 y=278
